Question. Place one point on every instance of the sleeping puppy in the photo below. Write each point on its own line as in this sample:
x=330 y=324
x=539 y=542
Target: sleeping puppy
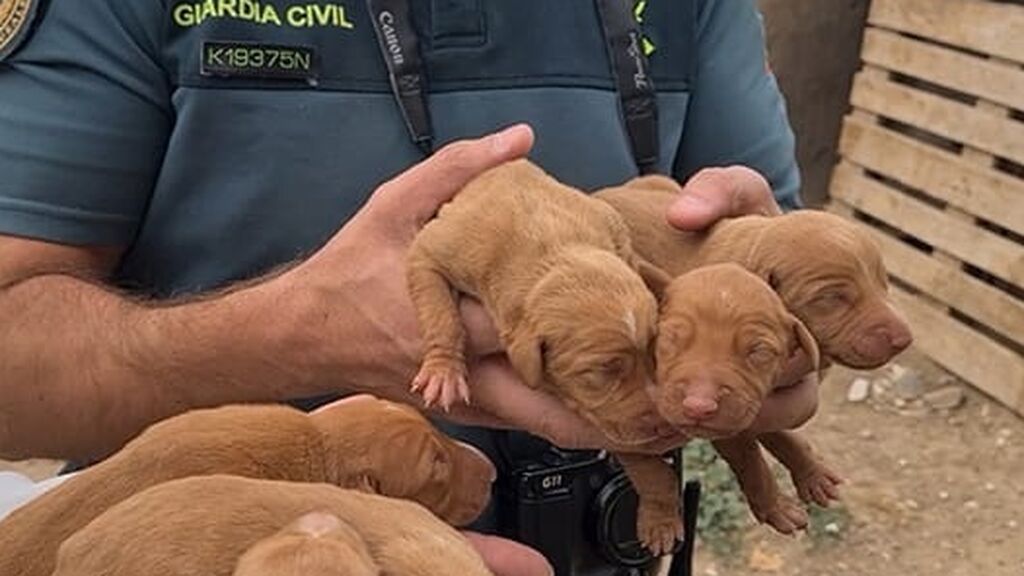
x=202 y=526
x=555 y=270
x=723 y=340
x=828 y=272
x=361 y=443
x=317 y=544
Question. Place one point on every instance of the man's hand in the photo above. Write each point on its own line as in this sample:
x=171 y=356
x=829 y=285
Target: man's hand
x=716 y=193
x=508 y=558
x=357 y=325
x=354 y=320
x=791 y=403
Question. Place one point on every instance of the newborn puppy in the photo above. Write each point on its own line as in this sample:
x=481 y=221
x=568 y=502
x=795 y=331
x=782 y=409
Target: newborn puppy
x=723 y=342
x=555 y=270
x=203 y=525
x=318 y=544
x=361 y=443
x=828 y=272
x=723 y=339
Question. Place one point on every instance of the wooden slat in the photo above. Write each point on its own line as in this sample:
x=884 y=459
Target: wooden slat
x=987 y=27
x=981 y=191
x=982 y=302
x=989 y=132
x=975 y=358
x=999 y=256
x=985 y=78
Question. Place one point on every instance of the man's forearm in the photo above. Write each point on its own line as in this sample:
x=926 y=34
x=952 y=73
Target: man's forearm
x=83 y=369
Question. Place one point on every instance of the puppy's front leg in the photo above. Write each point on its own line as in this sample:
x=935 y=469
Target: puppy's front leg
x=765 y=499
x=442 y=375
x=814 y=481
x=658 y=522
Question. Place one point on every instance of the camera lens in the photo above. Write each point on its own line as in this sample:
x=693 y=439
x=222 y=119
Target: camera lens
x=614 y=514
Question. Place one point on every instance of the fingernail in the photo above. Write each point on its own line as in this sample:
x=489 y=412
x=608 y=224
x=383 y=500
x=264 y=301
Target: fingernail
x=691 y=209
x=501 y=142
x=689 y=203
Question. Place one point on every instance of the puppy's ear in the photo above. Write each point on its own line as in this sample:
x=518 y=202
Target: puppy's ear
x=656 y=279
x=526 y=353
x=440 y=462
x=807 y=342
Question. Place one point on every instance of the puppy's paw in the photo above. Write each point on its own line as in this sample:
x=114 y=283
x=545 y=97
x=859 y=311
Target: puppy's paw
x=786 y=515
x=819 y=486
x=442 y=382
x=658 y=531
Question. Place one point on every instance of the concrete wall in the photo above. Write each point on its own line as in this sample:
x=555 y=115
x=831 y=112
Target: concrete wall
x=813 y=47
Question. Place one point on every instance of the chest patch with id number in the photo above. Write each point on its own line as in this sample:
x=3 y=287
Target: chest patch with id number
x=257 y=60
x=16 y=18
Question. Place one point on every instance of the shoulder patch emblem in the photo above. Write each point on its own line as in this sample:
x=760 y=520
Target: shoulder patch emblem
x=15 y=20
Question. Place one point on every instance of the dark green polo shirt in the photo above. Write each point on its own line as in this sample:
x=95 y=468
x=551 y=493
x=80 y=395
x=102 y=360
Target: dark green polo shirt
x=111 y=133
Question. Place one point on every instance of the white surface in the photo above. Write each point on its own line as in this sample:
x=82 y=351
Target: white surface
x=16 y=490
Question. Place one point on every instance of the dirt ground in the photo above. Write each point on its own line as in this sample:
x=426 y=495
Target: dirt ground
x=927 y=492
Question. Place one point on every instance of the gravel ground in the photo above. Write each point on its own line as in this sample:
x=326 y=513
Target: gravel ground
x=927 y=490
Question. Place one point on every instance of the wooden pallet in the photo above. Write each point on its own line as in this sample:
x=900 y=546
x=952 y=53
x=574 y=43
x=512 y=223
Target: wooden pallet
x=932 y=162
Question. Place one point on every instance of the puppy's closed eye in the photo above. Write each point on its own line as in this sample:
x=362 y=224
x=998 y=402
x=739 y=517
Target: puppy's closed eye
x=832 y=300
x=611 y=368
x=761 y=353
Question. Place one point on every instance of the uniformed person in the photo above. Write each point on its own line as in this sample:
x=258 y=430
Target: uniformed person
x=258 y=152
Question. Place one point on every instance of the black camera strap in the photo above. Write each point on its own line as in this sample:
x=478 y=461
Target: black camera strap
x=399 y=45
x=682 y=560
x=637 y=99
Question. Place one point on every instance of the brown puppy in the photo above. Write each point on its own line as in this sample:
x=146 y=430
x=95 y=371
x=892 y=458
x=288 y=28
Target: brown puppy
x=362 y=443
x=318 y=544
x=723 y=340
x=555 y=270
x=201 y=526
x=828 y=272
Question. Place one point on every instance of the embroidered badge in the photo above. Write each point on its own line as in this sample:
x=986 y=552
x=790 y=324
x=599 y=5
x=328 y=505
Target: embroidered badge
x=15 y=20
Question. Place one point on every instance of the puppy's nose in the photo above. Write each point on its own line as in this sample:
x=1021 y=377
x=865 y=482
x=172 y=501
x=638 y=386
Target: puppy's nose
x=900 y=337
x=699 y=407
x=897 y=330
x=485 y=468
x=895 y=336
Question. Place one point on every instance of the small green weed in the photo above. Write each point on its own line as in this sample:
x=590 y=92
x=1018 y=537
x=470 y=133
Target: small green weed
x=828 y=525
x=724 y=516
x=723 y=513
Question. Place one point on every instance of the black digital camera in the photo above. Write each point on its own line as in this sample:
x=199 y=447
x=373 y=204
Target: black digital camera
x=578 y=508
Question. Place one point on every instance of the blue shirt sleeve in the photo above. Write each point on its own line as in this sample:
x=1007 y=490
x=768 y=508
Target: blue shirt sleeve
x=84 y=118
x=737 y=113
